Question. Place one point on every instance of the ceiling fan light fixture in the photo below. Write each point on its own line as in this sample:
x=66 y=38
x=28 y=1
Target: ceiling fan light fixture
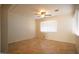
x=42 y=16
x=43 y=13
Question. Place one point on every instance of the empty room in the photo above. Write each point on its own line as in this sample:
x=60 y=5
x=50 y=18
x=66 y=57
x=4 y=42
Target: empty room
x=39 y=28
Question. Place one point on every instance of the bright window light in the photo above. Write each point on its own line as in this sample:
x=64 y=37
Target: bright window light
x=48 y=26
x=76 y=23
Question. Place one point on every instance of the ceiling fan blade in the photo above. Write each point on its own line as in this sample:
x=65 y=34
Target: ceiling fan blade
x=48 y=15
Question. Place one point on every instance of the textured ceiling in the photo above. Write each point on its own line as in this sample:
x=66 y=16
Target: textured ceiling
x=62 y=8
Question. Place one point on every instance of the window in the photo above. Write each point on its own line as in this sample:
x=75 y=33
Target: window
x=48 y=26
x=76 y=23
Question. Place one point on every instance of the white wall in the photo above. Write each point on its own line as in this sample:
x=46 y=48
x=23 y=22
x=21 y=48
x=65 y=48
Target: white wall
x=64 y=29
x=21 y=23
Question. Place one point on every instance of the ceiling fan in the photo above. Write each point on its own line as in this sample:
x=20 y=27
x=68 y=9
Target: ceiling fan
x=43 y=13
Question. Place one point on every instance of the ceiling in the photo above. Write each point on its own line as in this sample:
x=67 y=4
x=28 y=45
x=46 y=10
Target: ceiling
x=62 y=8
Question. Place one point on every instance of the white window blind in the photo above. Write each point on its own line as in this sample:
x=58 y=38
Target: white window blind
x=48 y=26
